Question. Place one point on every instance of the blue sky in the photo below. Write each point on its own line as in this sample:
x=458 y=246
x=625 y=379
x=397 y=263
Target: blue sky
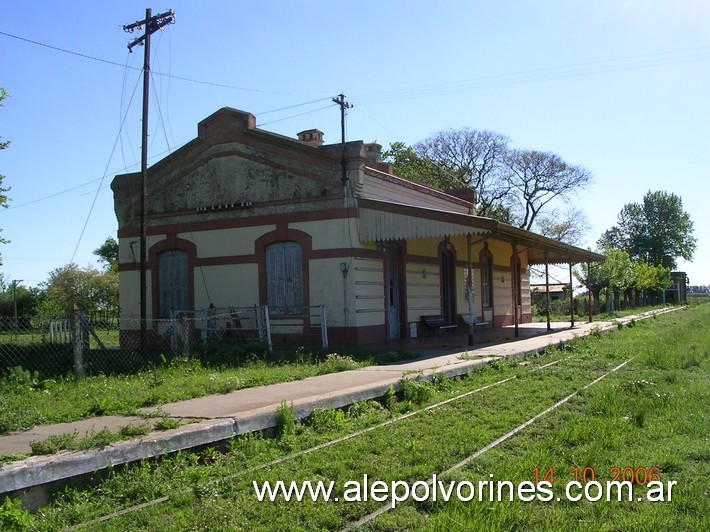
x=617 y=86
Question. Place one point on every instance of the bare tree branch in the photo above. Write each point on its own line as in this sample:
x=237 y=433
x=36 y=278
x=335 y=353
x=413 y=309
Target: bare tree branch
x=540 y=177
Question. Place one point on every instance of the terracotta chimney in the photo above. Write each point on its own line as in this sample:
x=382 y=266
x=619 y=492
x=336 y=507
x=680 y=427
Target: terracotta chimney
x=373 y=153
x=313 y=137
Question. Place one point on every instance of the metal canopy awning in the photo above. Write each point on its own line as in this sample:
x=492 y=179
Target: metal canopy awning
x=383 y=221
x=396 y=223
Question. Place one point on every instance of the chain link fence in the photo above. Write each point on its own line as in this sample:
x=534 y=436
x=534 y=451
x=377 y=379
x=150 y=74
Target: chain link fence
x=84 y=344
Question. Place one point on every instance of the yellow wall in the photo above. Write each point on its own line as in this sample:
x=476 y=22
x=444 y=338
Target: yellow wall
x=129 y=297
x=367 y=282
x=238 y=284
x=225 y=286
x=329 y=234
x=221 y=242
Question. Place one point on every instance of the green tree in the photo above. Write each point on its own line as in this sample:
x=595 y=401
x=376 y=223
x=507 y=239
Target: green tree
x=651 y=279
x=658 y=230
x=88 y=288
x=409 y=165
x=25 y=298
x=620 y=274
x=3 y=190
x=595 y=278
x=108 y=254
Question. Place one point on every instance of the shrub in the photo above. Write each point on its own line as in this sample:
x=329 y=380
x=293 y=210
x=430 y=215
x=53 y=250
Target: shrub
x=417 y=391
x=285 y=419
x=13 y=517
x=327 y=419
x=390 y=398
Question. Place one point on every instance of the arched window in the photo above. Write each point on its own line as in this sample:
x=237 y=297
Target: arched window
x=173 y=282
x=284 y=278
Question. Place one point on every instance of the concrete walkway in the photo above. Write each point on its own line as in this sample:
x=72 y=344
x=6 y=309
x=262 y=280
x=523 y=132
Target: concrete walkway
x=220 y=417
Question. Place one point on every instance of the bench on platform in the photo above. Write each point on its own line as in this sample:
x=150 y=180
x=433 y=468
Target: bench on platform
x=466 y=318
x=438 y=323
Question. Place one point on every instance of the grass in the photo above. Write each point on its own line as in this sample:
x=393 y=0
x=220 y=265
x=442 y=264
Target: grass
x=72 y=442
x=602 y=316
x=650 y=414
x=27 y=400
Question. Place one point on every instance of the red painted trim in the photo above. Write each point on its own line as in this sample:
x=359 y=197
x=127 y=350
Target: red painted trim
x=252 y=259
x=370 y=334
x=233 y=223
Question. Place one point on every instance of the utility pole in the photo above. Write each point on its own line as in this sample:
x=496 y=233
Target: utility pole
x=340 y=100
x=151 y=25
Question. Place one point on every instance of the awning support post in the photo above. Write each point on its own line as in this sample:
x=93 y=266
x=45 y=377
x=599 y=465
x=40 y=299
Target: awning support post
x=469 y=290
x=516 y=288
x=589 y=289
x=547 y=292
x=571 y=295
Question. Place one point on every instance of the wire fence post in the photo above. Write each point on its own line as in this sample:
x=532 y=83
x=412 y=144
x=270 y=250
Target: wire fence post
x=78 y=342
x=184 y=335
x=263 y=324
x=323 y=326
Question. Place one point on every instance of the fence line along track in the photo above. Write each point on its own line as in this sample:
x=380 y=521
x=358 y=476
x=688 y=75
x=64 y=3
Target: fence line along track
x=325 y=445
x=369 y=517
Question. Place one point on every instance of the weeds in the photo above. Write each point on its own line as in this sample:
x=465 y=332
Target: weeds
x=167 y=424
x=417 y=391
x=390 y=399
x=72 y=442
x=26 y=400
x=285 y=419
x=327 y=419
x=13 y=517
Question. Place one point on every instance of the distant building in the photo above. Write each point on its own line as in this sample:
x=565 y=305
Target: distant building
x=240 y=217
x=678 y=291
x=558 y=292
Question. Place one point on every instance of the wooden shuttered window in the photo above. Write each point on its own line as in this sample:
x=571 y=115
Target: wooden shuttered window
x=173 y=282
x=284 y=278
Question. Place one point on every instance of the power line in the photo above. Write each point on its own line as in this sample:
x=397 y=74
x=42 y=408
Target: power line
x=541 y=74
x=55 y=194
x=140 y=69
x=128 y=167
x=294 y=116
x=93 y=203
x=292 y=106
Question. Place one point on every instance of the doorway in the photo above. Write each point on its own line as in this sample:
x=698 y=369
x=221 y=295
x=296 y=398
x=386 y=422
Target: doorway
x=394 y=291
x=448 y=284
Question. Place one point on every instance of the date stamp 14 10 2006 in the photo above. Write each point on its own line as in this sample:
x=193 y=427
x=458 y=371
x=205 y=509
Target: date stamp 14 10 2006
x=583 y=483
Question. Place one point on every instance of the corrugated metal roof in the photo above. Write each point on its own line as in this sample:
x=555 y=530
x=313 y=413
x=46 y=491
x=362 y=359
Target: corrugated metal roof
x=382 y=225
x=383 y=220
